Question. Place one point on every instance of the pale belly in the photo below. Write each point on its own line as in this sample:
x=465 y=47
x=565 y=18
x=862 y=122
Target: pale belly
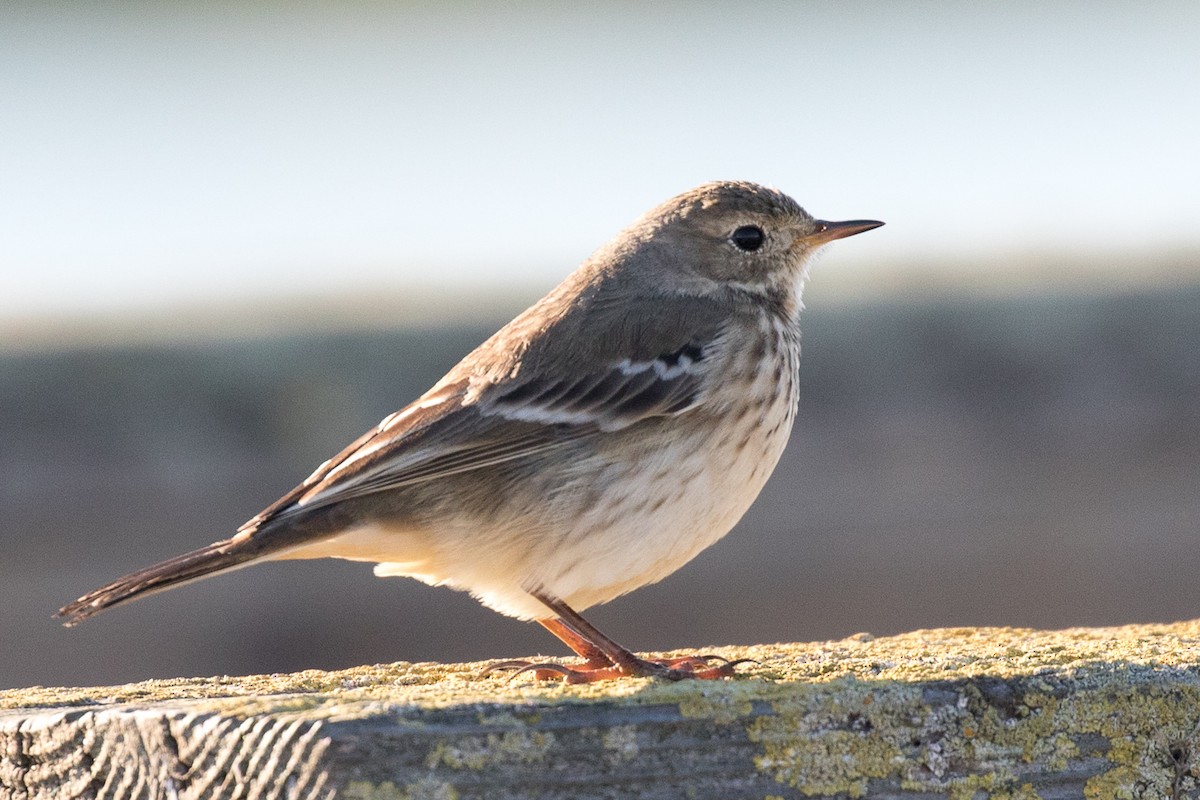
x=640 y=537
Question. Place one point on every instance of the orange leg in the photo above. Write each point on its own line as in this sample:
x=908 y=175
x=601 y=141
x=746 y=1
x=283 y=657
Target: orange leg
x=605 y=658
x=593 y=655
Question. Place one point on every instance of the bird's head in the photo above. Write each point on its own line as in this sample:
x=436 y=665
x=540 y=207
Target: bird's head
x=733 y=234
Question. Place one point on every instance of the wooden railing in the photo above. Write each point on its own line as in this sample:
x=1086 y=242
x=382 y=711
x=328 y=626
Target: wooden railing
x=960 y=713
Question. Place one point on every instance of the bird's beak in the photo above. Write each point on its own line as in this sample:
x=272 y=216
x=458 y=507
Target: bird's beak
x=828 y=231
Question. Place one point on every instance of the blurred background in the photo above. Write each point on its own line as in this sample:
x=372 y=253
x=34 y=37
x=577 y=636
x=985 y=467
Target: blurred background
x=233 y=236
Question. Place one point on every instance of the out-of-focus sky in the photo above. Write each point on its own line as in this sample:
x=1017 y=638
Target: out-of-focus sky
x=166 y=154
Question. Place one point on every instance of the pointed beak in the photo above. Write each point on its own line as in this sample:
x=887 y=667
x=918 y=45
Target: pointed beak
x=828 y=231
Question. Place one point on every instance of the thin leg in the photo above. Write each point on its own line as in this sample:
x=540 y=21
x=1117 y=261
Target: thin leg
x=619 y=657
x=583 y=648
x=605 y=658
x=594 y=656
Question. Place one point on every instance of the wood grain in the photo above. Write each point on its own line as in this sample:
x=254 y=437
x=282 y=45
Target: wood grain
x=963 y=713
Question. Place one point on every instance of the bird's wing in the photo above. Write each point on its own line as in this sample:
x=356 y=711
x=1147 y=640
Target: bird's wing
x=458 y=427
x=612 y=397
x=579 y=364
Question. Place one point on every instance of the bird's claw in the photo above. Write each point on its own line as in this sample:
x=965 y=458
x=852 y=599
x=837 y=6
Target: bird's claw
x=542 y=671
x=499 y=666
x=695 y=667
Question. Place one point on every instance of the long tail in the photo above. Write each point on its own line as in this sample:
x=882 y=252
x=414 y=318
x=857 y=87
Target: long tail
x=217 y=557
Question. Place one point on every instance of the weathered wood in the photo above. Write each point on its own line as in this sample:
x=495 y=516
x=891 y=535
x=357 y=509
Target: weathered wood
x=967 y=713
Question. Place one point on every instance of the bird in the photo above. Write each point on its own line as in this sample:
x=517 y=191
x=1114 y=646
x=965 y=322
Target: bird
x=593 y=445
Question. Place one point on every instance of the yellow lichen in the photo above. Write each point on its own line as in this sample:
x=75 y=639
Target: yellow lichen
x=714 y=703
x=926 y=655
x=828 y=742
x=478 y=752
x=827 y=717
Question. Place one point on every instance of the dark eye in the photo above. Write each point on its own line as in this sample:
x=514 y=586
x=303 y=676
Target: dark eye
x=748 y=238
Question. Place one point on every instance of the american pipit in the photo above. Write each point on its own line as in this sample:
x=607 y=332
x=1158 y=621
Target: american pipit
x=593 y=445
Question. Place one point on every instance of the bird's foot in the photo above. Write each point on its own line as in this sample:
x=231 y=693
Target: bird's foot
x=672 y=669
x=701 y=667
x=542 y=671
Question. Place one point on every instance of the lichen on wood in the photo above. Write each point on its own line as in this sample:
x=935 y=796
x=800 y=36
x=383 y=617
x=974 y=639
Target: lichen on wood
x=956 y=713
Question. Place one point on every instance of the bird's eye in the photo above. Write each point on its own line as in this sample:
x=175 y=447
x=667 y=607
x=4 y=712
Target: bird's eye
x=748 y=238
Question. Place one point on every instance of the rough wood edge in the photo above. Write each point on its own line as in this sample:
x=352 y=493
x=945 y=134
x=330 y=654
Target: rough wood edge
x=962 y=713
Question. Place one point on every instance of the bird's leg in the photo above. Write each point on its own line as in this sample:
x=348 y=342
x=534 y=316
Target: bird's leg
x=592 y=654
x=605 y=658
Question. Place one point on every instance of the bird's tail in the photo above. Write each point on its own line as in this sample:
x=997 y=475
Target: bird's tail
x=222 y=556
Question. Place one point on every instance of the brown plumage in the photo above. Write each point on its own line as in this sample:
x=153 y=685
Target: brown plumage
x=591 y=446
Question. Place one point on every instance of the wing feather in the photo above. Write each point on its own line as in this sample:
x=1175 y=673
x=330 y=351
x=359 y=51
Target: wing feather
x=616 y=397
x=479 y=419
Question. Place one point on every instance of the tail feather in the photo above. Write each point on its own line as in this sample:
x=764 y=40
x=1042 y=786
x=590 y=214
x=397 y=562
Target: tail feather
x=215 y=558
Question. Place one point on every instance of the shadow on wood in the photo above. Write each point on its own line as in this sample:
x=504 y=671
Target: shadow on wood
x=955 y=713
